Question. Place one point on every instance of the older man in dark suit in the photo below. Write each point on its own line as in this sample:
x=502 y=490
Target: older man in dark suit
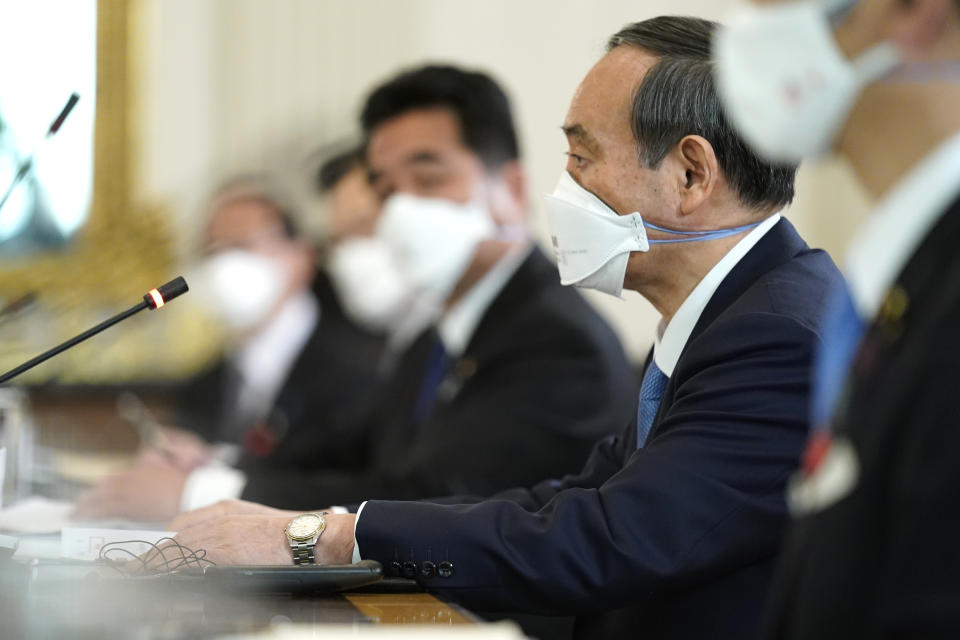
x=672 y=527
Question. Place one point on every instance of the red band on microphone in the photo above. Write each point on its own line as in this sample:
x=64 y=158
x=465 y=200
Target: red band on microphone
x=157 y=298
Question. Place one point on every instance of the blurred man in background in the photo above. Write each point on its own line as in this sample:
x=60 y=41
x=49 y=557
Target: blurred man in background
x=518 y=378
x=295 y=381
x=374 y=288
x=873 y=550
x=519 y=375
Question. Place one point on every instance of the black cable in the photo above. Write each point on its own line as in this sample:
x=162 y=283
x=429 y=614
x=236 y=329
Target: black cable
x=187 y=557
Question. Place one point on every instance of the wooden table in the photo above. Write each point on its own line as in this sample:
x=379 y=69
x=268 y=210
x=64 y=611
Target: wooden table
x=408 y=608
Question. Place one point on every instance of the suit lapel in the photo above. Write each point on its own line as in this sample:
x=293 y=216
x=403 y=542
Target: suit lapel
x=920 y=282
x=781 y=244
x=533 y=274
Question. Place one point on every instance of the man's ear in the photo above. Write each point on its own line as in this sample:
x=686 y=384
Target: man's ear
x=918 y=25
x=698 y=172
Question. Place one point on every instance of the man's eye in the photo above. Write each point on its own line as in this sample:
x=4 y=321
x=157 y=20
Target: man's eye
x=430 y=180
x=578 y=159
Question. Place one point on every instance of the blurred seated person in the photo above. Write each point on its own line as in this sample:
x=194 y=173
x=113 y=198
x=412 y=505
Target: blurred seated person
x=374 y=288
x=519 y=375
x=293 y=383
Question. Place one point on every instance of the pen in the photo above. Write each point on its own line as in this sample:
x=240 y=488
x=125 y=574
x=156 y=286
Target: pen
x=139 y=416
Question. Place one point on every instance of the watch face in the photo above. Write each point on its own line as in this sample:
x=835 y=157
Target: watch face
x=305 y=526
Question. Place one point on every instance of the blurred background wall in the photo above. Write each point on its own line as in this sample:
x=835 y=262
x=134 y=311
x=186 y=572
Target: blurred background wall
x=226 y=85
x=218 y=86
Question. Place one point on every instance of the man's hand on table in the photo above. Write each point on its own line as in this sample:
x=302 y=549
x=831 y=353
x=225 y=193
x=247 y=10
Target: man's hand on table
x=148 y=492
x=223 y=508
x=260 y=539
x=151 y=489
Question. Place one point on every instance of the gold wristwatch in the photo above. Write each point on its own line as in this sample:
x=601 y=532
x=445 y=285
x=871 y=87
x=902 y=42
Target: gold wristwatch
x=303 y=532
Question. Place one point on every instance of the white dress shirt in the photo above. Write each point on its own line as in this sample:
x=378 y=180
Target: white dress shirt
x=669 y=341
x=460 y=321
x=264 y=362
x=895 y=229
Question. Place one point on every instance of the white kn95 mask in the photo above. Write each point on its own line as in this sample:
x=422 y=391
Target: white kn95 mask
x=593 y=242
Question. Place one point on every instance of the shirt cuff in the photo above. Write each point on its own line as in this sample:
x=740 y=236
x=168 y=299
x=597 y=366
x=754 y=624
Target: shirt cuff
x=211 y=483
x=356 y=545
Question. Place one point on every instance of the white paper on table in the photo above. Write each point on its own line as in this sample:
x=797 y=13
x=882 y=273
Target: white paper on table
x=36 y=514
x=85 y=544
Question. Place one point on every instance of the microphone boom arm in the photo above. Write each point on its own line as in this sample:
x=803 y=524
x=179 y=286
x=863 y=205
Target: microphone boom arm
x=155 y=299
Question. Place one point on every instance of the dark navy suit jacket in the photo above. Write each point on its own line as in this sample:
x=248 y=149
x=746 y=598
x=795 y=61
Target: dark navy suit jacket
x=674 y=540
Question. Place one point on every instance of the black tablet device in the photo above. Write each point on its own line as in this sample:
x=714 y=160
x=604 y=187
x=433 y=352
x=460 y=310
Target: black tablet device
x=295 y=580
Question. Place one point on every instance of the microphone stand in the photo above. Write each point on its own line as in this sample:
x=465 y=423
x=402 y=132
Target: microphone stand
x=89 y=333
x=155 y=299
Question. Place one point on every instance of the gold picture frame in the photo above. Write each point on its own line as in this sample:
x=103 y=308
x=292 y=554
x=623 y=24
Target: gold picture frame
x=121 y=248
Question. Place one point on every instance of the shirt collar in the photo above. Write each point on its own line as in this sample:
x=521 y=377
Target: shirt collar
x=670 y=340
x=895 y=229
x=458 y=324
x=265 y=359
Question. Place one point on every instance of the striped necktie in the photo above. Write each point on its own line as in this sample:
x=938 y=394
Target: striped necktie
x=651 y=391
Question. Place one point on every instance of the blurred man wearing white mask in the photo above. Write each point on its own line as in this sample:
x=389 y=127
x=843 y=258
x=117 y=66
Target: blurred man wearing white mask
x=294 y=381
x=872 y=552
x=375 y=290
x=518 y=376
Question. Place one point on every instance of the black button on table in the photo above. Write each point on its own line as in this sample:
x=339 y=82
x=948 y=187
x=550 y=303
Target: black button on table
x=409 y=569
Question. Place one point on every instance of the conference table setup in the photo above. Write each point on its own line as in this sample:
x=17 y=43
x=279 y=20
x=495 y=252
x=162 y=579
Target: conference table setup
x=60 y=576
x=44 y=598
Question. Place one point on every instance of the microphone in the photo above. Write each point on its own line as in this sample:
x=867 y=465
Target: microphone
x=153 y=299
x=27 y=163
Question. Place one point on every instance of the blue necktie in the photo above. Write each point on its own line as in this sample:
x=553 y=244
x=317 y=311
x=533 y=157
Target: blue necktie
x=842 y=330
x=651 y=391
x=436 y=369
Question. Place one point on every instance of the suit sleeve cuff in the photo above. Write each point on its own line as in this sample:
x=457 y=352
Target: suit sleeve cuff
x=356 y=545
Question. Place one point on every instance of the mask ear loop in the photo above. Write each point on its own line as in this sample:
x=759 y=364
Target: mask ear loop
x=694 y=236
